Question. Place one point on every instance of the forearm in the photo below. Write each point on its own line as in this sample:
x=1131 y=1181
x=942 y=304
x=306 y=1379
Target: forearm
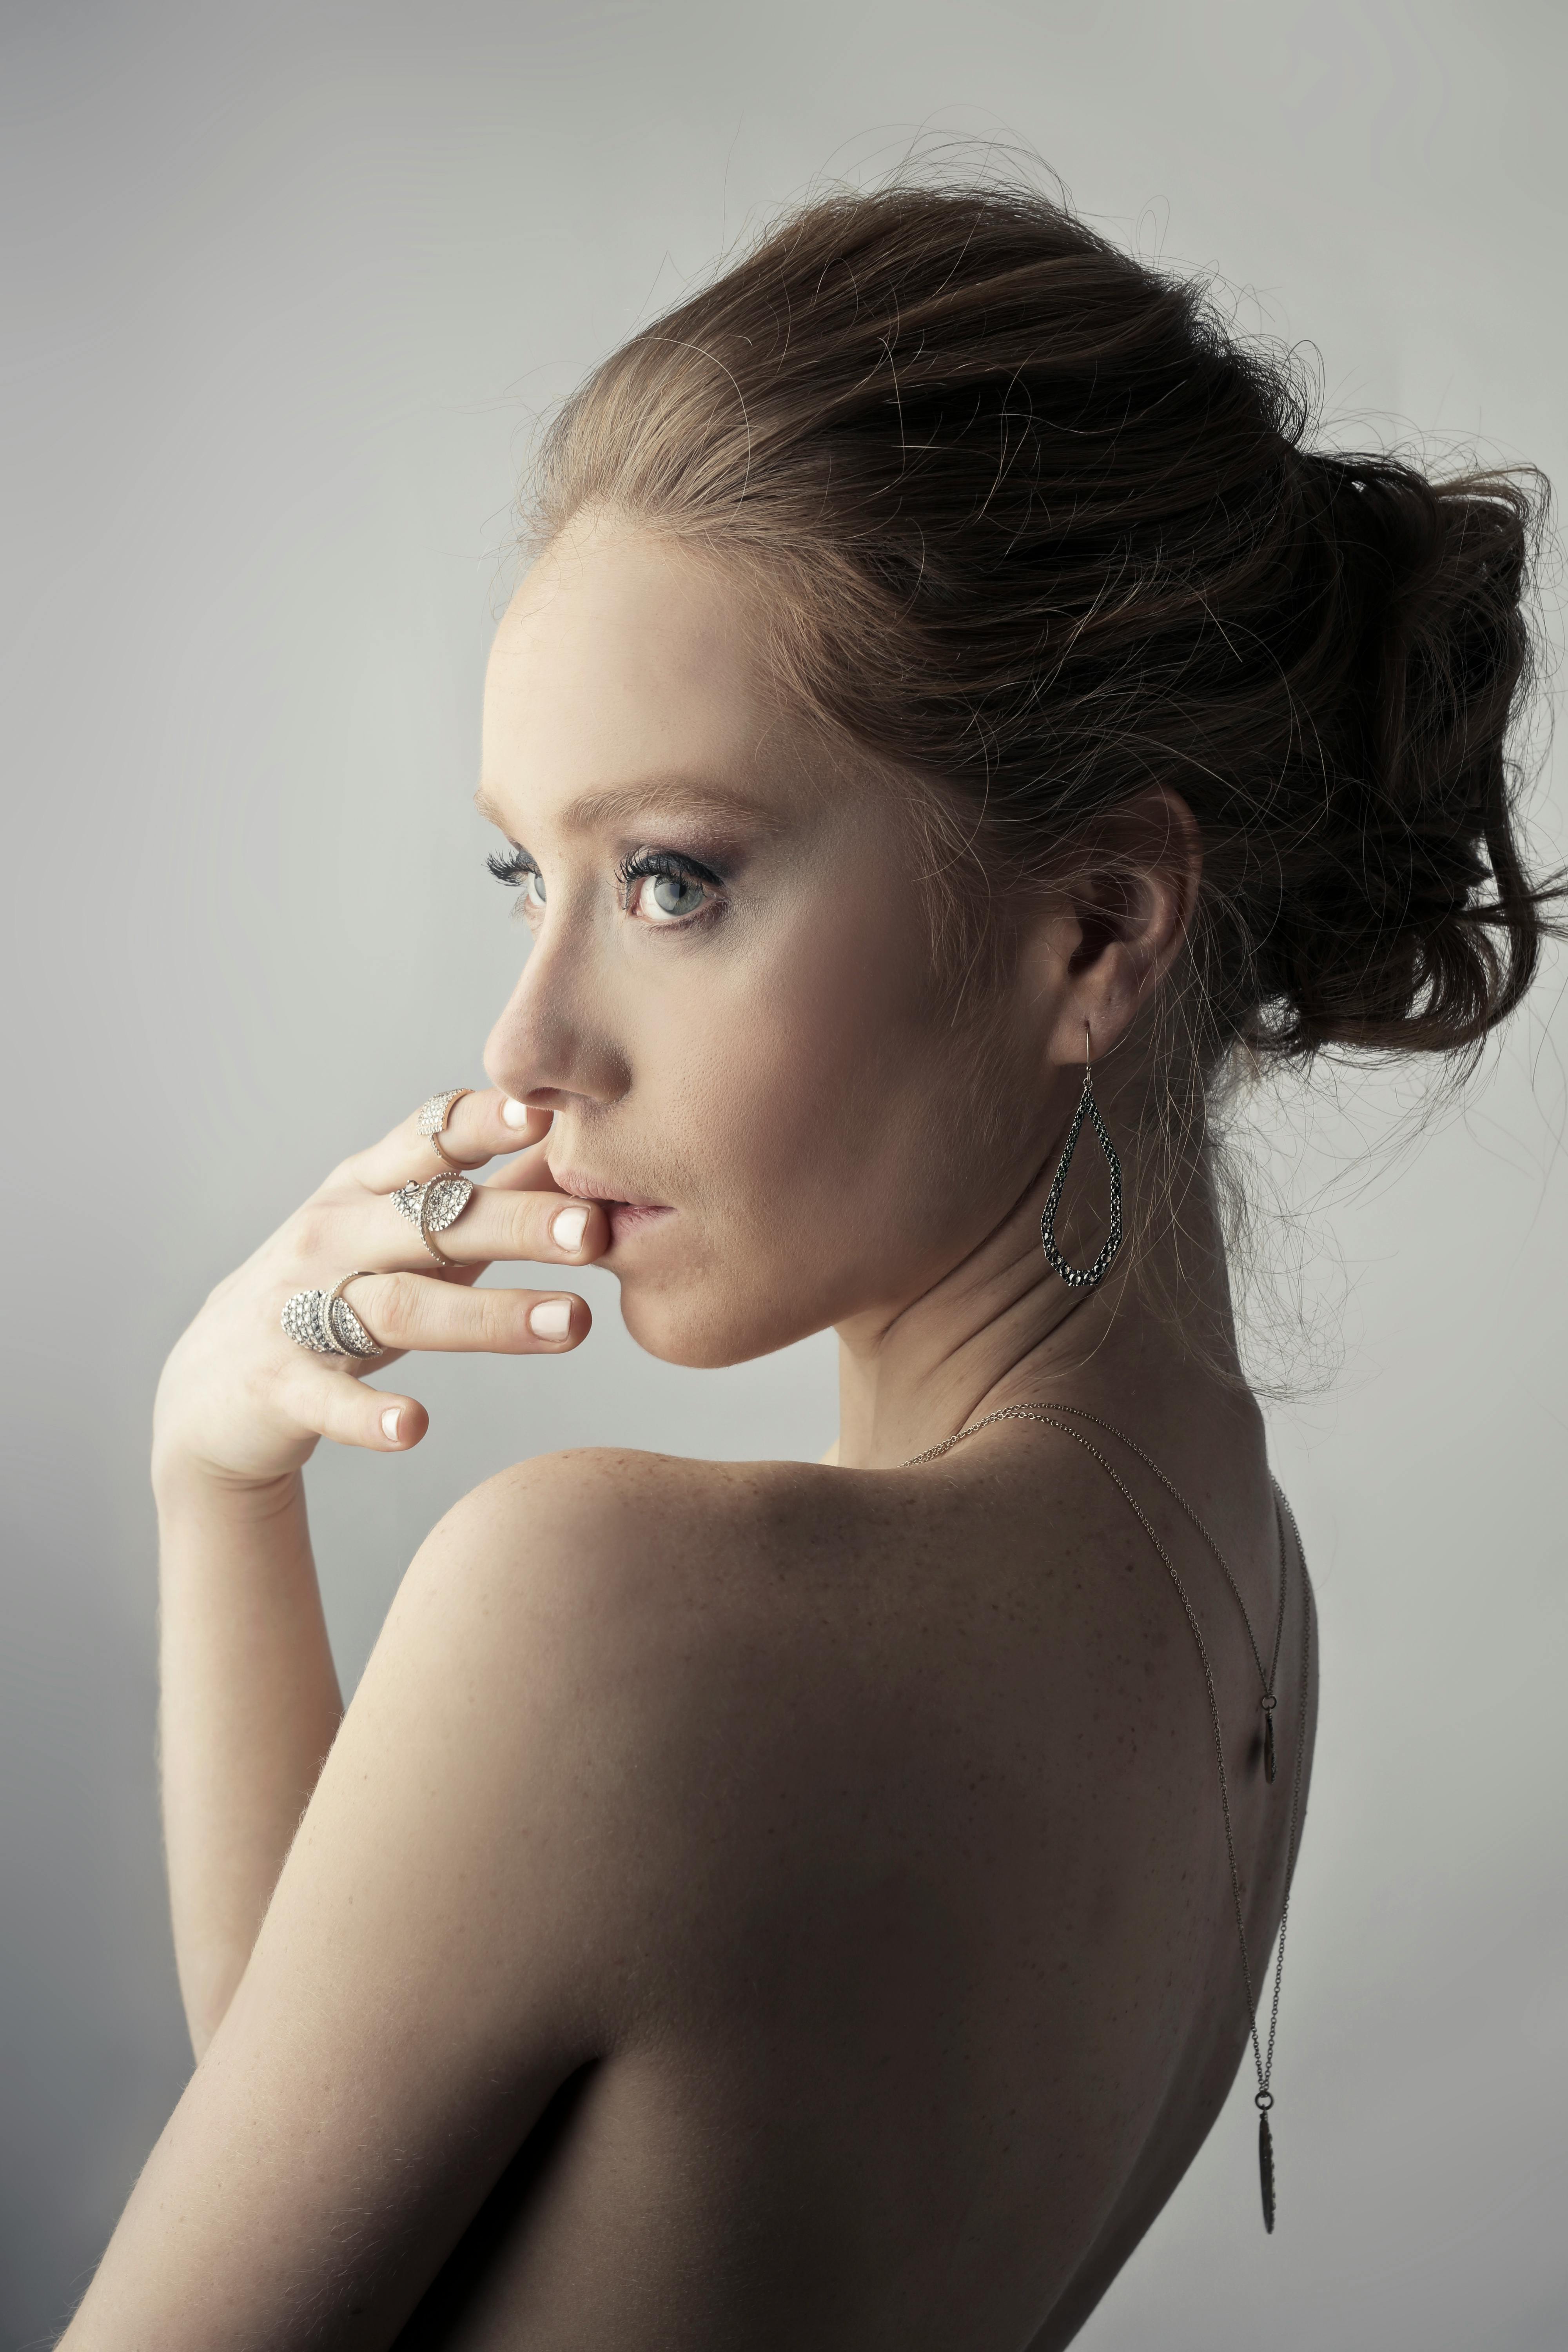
x=251 y=1702
x=249 y=1707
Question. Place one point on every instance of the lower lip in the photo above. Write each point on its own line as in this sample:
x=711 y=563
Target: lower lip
x=627 y=1217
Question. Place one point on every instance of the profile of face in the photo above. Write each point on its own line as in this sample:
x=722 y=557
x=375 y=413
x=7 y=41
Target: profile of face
x=730 y=1000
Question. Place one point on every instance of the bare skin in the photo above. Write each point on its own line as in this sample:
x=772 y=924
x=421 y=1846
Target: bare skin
x=744 y=1904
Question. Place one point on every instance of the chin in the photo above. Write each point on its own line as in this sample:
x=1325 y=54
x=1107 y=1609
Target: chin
x=704 y=1331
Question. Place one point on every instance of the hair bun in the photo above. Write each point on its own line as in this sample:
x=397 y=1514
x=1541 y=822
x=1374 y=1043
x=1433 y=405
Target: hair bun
x=1410 y=922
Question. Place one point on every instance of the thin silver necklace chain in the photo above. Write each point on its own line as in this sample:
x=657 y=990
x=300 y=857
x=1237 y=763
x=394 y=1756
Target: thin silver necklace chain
x=1262 y=2054
x=1268 y=1676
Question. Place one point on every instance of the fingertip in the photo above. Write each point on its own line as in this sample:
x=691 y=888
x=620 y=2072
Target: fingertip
x=560 y=1321
x=403 y=1423
x=523 y=1124
x=569 y=1228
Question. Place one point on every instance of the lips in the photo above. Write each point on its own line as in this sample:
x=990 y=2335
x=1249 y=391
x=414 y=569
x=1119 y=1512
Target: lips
x=591 y=1187
x=626 y=1217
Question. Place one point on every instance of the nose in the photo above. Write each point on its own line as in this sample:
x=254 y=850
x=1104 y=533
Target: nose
x=553 y=1042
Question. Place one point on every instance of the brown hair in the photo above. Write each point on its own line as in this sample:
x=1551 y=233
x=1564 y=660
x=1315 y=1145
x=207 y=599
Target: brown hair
x=1038 y=531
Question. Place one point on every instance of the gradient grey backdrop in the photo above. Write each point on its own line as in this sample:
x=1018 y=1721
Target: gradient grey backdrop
x=286 y=286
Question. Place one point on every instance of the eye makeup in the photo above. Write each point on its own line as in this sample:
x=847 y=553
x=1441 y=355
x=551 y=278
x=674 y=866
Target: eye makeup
x=672 y=874
x=517 y=871
x=512 y=869
x=680 y=888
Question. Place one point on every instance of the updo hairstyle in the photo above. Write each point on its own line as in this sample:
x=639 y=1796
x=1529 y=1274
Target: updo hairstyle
x=1031 y=526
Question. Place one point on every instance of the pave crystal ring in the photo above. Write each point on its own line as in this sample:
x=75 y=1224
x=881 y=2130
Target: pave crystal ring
x=433 y=1116
x=433 y=1206
x=324 y=1321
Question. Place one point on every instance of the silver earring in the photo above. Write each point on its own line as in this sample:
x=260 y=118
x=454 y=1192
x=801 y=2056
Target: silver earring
x=1083 y=1277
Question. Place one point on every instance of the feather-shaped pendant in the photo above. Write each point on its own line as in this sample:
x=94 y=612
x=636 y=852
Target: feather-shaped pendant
x=1268 y=1742
x=1266 y=2170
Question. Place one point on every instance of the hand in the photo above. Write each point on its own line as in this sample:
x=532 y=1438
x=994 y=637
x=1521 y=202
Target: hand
x=241 y=1403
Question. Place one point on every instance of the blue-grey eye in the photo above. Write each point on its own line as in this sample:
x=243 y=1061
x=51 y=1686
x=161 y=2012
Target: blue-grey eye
x=675 y=893
x=663 y=887
x=535 y=887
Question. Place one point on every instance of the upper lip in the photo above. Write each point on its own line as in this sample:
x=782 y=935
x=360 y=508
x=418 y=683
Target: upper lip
x=591 y=1187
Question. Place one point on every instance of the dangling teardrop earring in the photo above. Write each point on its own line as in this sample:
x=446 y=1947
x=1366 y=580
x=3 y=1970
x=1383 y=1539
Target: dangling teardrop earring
x=1083 y=1277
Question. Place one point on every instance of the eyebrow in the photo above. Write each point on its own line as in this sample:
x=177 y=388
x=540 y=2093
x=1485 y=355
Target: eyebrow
x=592 y=810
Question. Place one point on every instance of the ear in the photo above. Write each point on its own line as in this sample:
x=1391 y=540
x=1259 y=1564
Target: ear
x=1118 y=918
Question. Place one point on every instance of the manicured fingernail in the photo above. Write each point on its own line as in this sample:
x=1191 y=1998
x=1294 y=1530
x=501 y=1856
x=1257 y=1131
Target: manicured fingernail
x=389 y=1421
x=515 y=1114
x=569 y=1228
x=551 y=1319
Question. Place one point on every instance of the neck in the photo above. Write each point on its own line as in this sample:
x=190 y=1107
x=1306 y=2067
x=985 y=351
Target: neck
x=1001 y=1327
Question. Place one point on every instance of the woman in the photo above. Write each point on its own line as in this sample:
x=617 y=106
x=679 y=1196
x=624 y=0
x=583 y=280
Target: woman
x=952 y=726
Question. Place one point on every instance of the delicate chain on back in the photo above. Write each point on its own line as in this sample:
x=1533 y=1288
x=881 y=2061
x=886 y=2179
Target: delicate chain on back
x=1266 y=1676
x=1044 y=1415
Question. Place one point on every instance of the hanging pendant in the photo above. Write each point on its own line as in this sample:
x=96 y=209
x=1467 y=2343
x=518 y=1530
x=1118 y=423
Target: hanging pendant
x=1083 y=1277
x=1266 y=2168
x=1268 y=1738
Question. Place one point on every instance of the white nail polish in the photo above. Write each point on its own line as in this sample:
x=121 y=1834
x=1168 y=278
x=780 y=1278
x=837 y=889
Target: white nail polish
x=568 y=1229
x=551 y=1319
x=389 y=1421
x=515 y=1114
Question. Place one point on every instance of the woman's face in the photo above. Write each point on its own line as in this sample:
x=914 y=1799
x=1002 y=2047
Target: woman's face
x=729 y=1001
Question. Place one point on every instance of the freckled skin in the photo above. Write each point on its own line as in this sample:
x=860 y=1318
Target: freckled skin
x=766 y=1904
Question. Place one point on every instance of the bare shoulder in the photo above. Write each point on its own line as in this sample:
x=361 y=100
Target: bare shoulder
x=644 y=1600
x=647 y=1581
x=595 y=1531
x=687 y=1666
x=642 y=1678
x=662 y=1586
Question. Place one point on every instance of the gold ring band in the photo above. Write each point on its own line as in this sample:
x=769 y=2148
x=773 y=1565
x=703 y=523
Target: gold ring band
x=432 y=1118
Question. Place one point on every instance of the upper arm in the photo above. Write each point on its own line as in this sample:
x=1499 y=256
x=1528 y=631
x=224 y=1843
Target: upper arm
x=467 y=1880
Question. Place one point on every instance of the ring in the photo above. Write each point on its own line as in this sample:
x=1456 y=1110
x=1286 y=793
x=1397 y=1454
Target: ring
x=324 y=1321
x=433 y=1206
x=340 y=1321
x=434 y=1113
x=302 y=1322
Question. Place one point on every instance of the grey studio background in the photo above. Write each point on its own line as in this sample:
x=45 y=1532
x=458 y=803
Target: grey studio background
x=285 y=289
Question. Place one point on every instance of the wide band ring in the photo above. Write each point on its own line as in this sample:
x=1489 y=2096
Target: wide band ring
x=431 y=1207
x=432 y=1116
x=341 y=1320
x=324 y=1321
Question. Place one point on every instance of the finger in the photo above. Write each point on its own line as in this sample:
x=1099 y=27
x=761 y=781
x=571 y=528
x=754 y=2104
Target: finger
x=479 y=1124
x=416 y=1311
x=349 y=1413
x=544 y=1228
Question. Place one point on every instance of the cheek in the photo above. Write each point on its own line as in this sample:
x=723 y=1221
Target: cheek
x=827 y=1057
x=825 y=1120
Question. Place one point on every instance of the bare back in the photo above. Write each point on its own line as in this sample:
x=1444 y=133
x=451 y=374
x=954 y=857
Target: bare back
x=940 y=1990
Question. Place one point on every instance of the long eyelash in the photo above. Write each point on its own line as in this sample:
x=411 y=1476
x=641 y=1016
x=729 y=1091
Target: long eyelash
x=671 y=862
x=514 y=869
